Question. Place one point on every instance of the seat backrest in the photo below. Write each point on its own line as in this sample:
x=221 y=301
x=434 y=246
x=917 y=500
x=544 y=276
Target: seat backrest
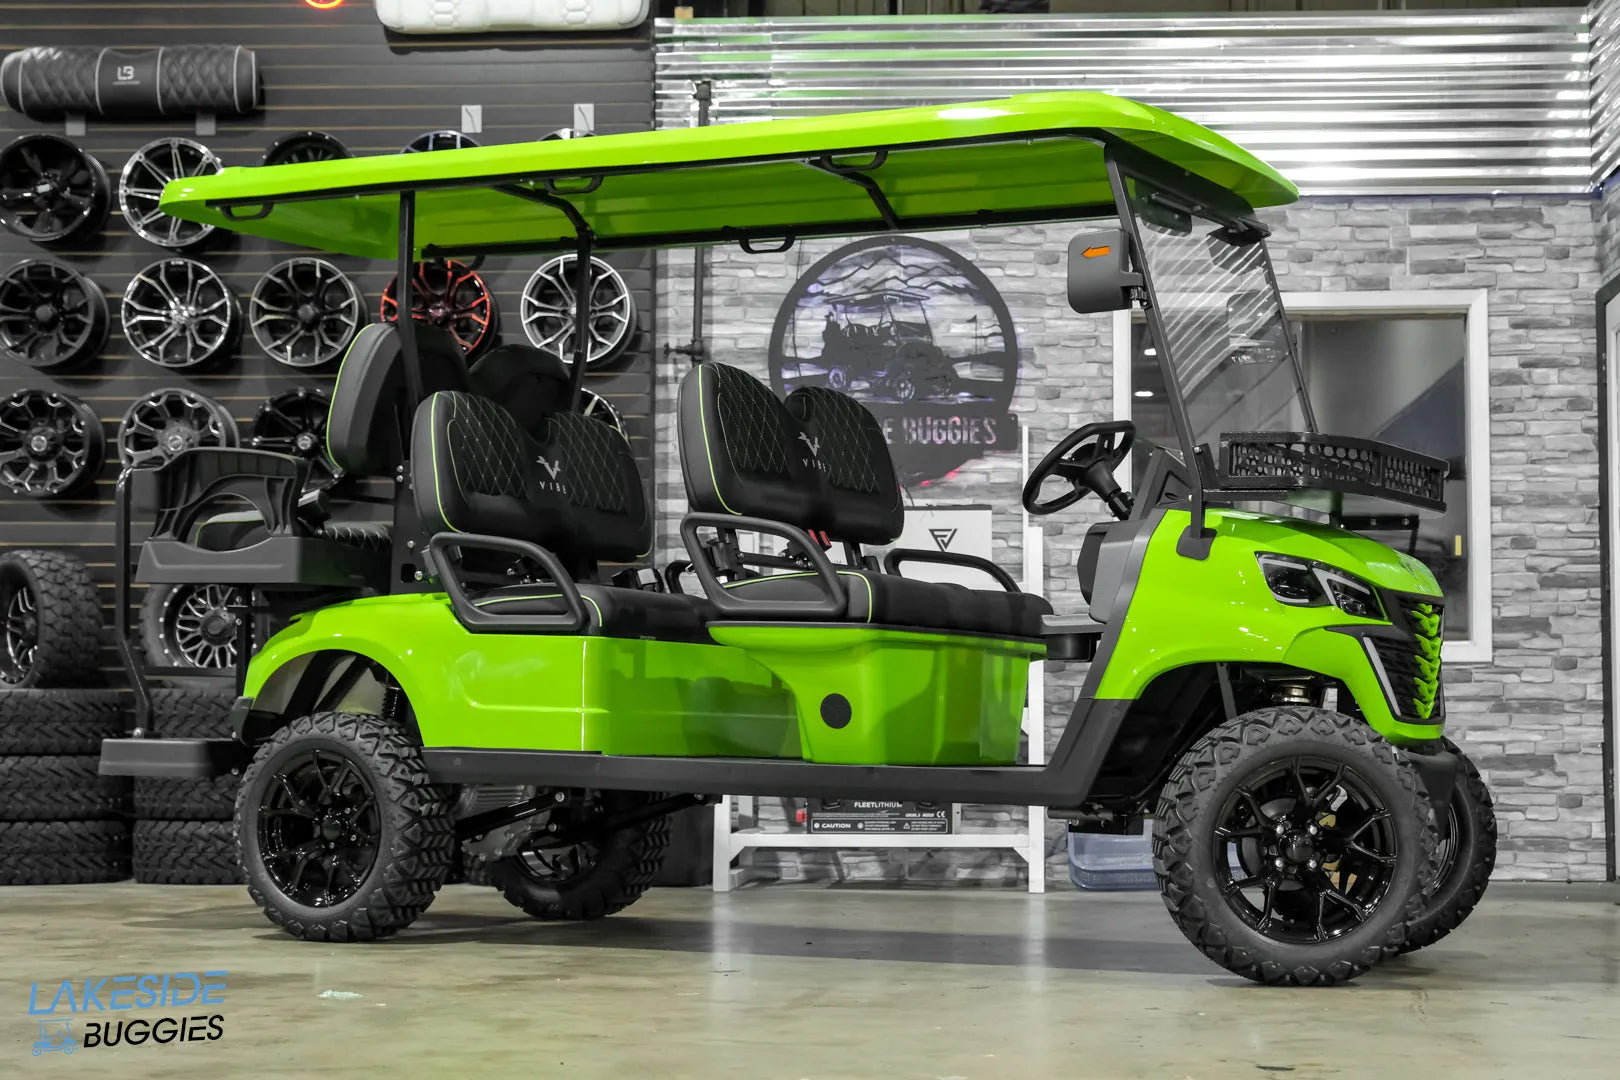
x=818 y=461
x=368 y=424
x=575 y=490
x=529 y=383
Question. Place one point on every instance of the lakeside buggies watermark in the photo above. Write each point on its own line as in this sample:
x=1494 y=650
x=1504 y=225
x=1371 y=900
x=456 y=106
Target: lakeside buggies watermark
x=77 y=1014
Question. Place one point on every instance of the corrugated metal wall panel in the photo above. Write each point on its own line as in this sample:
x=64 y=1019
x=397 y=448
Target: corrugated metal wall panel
x=1604 y=17
x=1352 y=103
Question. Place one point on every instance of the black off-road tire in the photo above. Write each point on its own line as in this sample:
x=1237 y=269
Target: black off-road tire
x=186 y=853
x=63 y=852
x=1184 y=855
x=192 y=714
x=59 y=788
x=69 y=627
x=628 y=859
x=60 y=721
x=1466 y=870
x=415 y=849
x=163 y=799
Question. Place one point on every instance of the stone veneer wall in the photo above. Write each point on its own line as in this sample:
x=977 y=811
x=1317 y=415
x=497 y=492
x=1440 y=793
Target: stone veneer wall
x=1533 y=718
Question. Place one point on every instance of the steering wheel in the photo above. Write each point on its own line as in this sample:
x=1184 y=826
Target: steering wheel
x=1086 y=458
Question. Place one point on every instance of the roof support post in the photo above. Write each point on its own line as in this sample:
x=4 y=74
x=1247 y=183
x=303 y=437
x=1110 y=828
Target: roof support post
x=402 y=295
x=582 y=318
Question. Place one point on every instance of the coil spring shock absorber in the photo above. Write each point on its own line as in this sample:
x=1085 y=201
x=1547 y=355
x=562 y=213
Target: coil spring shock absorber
x=1301 y=691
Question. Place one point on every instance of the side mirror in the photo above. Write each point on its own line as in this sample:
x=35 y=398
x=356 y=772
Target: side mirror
x=1100 y=277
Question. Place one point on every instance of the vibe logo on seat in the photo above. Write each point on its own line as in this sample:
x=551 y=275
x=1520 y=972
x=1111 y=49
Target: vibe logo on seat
x=552 y=467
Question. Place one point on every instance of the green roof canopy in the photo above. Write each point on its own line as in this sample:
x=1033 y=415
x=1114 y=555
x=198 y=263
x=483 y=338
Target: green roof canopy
x=1019 y=159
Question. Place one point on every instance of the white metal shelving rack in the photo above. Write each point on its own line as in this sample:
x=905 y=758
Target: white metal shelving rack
x=1028 y=842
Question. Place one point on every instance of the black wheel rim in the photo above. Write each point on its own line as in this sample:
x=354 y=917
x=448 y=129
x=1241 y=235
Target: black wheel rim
x=548 y=310
x=199 y=627
x=51 y=316
x=165 y=422
x=294 y=423
x=20 y=632
x=304 y=147
x=439 y=140
x=452 y=297
x=319 y=828
x=50 y=190
x=1304 y=850
x=304 y=312
x=50 y=444
x=180 y=314
x=140 y=188
x=556 y=864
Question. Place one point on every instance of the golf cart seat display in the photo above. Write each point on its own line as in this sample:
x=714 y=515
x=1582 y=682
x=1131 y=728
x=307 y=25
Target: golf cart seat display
x=1268 y=689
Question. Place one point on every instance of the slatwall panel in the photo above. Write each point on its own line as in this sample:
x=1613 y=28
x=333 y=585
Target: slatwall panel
x=1383 y=103
x=337 y=71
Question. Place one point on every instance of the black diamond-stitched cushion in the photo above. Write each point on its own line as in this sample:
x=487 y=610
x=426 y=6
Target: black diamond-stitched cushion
x=365 y=427
x=741 y=453
x=861 y=498
x=598 y=473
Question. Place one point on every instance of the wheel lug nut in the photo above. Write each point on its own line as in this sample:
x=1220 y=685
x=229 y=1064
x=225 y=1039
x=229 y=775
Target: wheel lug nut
x=1311 y=863
x=1279 y=864
x=1281 y=828
x=1311 y=829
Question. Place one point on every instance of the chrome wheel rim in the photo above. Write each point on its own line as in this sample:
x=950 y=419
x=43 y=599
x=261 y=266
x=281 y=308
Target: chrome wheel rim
x=198 y=627
x=304 y=312
x=548 y=310
x=446 y=139
x=179 y=314
x=20 y=631
x=165 y=422
x=140 y=189
x=50 y=443
x=597 y=407
x=51 y=316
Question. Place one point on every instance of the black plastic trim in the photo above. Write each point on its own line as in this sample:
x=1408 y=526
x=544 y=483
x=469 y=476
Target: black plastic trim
x=186 y=759
x=897 y=556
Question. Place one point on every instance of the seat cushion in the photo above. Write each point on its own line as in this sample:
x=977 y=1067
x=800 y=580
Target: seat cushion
x=907 y=603
x=612 y=612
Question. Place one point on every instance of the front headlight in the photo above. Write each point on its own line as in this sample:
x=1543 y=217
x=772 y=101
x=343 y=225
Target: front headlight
x=1303 y=583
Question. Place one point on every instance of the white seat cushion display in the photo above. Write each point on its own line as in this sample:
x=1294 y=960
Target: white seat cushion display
x=494 y=16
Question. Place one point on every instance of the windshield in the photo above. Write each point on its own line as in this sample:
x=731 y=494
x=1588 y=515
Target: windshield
x=1221 y=321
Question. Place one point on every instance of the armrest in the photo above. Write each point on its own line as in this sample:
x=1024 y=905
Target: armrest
x=832 y=606
x=892 y=561
x=479 y=621
x=192 y=482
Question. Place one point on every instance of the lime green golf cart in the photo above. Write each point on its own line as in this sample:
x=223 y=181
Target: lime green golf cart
x=494 y=674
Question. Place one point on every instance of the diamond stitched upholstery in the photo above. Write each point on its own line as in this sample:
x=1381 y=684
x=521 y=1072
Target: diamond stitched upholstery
x=485 y=447
x=860 y=497
x=597 y=469
x=740 y=451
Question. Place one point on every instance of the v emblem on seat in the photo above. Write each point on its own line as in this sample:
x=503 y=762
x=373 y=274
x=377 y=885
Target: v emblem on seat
x=552 y=467
x=813 y=444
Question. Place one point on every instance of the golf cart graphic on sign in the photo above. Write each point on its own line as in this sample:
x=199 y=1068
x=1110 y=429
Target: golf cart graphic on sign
x=55 y=1037
x=918 y=335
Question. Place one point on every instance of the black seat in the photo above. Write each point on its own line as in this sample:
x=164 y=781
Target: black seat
x=820 y=462
x=574 y=491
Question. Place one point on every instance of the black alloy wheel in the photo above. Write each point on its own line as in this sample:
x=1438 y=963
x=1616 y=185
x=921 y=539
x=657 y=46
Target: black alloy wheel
x=305 y=146
x=319 y=827
x=51 y=316
x=198 y=626
x=164 y=422
x=597 y=407
x=140 y=190
x=50 y=444
x=1305 y=851
x=439 y=140
x=304 y=312
x=51 y=191
x=19 y=633
x=294 y=422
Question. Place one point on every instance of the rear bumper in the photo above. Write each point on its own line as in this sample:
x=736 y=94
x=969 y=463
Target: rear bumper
x=183 y=759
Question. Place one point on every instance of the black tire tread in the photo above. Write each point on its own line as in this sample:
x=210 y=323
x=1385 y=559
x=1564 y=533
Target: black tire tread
x=183 y=713
x=1198 y=771
x=1450 y=905
x=59 y=721
x=158 y=798
x=49 y=787
x=63 y=852
x=631 y=859
x=186 y=853
x=424 y=832
x=68 y=652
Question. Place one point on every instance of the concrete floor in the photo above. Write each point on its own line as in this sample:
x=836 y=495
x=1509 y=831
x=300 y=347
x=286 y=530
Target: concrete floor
x=815 y=983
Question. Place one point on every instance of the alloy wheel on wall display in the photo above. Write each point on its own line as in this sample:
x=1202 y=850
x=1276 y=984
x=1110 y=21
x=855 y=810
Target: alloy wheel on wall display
x=192 y=626
x=51 y=191
x=50 y=444
x=161 y=424
x=304 y=312
x=294 y=422
x=51 y=316
x=179 y=314
x=598 y=407
x=548 y=310
x=451 y=296
x=305 y=146
x=140 y=187
x=439 y=140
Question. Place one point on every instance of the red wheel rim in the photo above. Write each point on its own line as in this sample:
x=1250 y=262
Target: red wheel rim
x=450 y=296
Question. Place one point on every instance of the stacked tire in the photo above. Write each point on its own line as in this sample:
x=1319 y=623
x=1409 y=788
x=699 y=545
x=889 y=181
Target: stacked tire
x=185 y=829
x=61 y=822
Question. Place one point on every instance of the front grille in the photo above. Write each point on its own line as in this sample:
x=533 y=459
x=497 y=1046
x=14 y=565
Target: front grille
x=1412 y=663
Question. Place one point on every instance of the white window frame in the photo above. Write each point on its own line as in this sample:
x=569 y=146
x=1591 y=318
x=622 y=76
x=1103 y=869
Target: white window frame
x=1473 y=305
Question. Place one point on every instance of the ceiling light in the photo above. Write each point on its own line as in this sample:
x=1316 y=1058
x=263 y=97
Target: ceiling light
x=1144 y=393
x=1150 y=351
